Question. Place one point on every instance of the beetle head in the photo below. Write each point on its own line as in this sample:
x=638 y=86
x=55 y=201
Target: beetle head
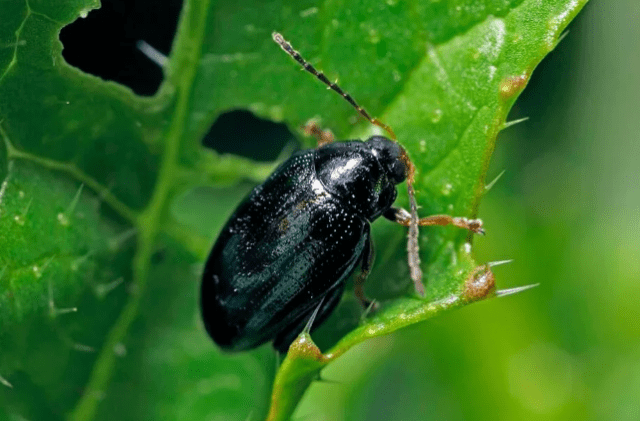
x=389 y=154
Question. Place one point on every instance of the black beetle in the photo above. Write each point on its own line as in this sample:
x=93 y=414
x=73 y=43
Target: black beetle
x=291 y=244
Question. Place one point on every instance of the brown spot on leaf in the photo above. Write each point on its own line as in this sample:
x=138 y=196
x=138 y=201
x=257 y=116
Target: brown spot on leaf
x=513 y=85
x=479 y=284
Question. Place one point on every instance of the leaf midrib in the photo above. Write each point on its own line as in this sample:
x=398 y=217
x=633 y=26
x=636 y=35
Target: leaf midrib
x=187 y=51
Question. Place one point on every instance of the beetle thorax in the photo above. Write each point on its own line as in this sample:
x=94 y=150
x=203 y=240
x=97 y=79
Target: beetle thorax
x=357 y=173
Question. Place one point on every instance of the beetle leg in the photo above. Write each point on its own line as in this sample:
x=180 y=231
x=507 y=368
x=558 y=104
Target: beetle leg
x=403 y=217
x=323 y=137
x=365 y=269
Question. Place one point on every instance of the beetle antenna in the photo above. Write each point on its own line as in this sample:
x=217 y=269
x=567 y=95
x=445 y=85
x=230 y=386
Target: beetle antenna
x=412 y=245
x=286 y=46
x=413 y=249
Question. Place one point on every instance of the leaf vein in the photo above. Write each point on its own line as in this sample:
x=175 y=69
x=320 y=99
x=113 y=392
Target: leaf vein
x=14 y=59
x=103 y=192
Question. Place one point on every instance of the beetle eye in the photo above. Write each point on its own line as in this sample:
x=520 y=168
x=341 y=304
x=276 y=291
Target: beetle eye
x=397 y=171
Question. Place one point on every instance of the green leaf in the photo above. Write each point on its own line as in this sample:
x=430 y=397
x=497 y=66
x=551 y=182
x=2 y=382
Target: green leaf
x=98 y=290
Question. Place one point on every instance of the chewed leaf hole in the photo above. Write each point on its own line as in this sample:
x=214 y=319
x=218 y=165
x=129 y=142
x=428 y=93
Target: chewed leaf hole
x=106 y=42
x=241 y=133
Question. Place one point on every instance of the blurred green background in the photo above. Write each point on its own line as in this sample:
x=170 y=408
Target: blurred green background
x=567 y=210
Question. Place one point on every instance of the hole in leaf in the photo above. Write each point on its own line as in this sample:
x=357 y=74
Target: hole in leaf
x=242 y=133
x=105 y=42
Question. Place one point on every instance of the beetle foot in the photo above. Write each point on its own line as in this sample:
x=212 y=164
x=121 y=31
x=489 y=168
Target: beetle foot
x=324 y=137
x=473 y=225
x=369 y=306
x=364 y=301
x=403 y=217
